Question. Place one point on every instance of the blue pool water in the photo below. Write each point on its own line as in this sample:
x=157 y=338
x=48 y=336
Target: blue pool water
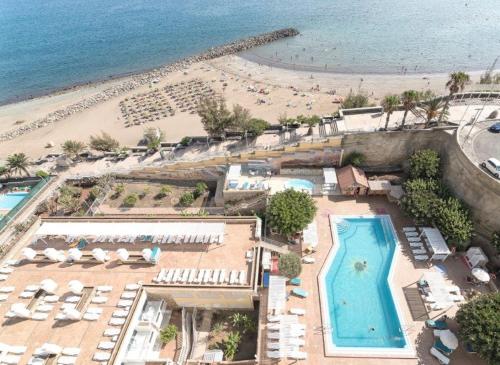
x=360 y=304
x=299 y=184
x=10 y=200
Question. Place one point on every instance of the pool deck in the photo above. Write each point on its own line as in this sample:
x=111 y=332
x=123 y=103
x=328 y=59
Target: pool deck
x=406 y=273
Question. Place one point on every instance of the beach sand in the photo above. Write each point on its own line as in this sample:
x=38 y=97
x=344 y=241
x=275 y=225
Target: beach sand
x=234 y=71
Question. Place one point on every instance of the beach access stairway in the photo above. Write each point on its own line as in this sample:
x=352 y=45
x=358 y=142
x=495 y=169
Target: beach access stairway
x=200 y=337
x=186 y=338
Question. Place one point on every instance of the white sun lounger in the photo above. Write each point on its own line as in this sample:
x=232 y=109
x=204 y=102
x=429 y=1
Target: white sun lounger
x=419 y=252
x=215 y=276
x=132 y=287
x=243 y=277
x=7 y=289
x=192 y=276
x=297 y=311
x=99 y=300
x=414 y=239
x=308 y=260
x=457 y=297
x=176 y=276
x=44 y=308
x=51 y=299
x=416 y=244
x=298 y=355
x=3 y=277
x=4 y=297
x=72 y=299
x=185 y=275
x=106 y=345
x=409 y=229
x=26 y=294
x=296 y=341
x=116 y=321
x=120 y=313
x=421 y=257
x=438 y=355
x=222 y=276
x=206 y=277
x=66 y=360
x=168 y=277
x=271 y=318
x=39 y=316
x=128 y=295
x=101 y=356
x=32 y=288
x=453 y=289
x=11 y=359
x=124 y=303
x=437 y=306
x=411 y=234
x=6 y=270
x=233 y=277
x=94 y=310
x=274 y=354
x=200 y=276
x=274 y=326
x=104 y=288
x=70 y=351
x=91 y=316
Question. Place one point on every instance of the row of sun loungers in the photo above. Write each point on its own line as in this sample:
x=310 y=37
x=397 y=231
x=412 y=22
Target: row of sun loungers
x=203 y=276
x=176 y=239
x=289 y=335
x=417 y=247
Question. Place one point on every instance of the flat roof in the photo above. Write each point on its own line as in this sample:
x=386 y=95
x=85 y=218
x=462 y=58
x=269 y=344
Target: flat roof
x=330 y=175
x=86 y=335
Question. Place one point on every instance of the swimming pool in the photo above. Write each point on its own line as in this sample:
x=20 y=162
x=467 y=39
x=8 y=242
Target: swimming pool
x=299 y=184
x=360 y=314
x=10 y=200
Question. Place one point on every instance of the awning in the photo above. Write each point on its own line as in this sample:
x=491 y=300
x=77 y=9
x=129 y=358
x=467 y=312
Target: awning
x=277 y=293
x=311 y=234
x=436 y=243
x=330 y=176
x=79 y=229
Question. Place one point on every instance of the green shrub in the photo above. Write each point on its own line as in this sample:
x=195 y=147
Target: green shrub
x=355 y=159
x=42 y=174
x=104 y=142
x=130 y=200
x=186 y=199
x=231 y=345
x=164 y=191
x=479 y=322
x=200 y=189
x=168 y=333
x=290 y=211
x=424 y=164
x=257 y=126
x=495 y=241
x=289 y=265
x=185 y=141
x=355 y=101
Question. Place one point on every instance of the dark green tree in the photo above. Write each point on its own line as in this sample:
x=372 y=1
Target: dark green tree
x=289 y=265
x=424 y=164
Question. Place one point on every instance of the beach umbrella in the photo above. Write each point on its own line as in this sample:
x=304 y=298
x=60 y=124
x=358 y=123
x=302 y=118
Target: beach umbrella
x=99 y=254
x=20 y=310
x=147 y=253
x=50 y=349
x=29 y=253
x=481 y=275
x=74 y=254
x=48 y=285
x=75 y=287
x=449 y=339
x=123 y=254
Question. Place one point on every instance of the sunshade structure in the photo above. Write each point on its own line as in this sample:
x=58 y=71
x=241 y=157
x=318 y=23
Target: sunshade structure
x=277 y=293
x=481 y=275
x=132 y=229
x=448 y=339
x=311 y=234
x=436 y=243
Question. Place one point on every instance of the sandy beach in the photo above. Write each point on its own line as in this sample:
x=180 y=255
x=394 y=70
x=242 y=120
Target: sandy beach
x=236 y=79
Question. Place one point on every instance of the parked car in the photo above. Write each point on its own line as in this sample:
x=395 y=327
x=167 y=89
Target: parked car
x=493 y=166
x=495 y=128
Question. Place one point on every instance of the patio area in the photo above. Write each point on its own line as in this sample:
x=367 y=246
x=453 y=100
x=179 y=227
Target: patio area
x=407 y=272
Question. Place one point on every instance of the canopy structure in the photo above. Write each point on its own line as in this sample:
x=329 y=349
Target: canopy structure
x=436 y=243
x=311 y=234
x=277 y=293
x=120 y=229
x=234 y=172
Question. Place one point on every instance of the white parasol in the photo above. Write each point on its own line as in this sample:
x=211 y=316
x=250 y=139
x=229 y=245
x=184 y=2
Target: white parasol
x=481 y=275
x=449 y=339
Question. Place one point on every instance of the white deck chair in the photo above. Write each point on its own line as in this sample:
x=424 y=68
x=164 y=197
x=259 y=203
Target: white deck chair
x=51 y=299
x=439 y=356
x=273 y=335
x=44 y=308
x=160 y=276
x=116 y=321
x=132 y=287
x=3 y=277
x=232 y=277
x=417 y=245
x=99 y=300
x=4 y=297
x=39 y=316
x=110 y=332
x=297 y=311
x=11 y=359
x=17 y=350
x=94 y=310
x=177 y=274
x=409 y=229
x=215 y=276
x=185 y=275
x=200 y=276
x=70 y=351
x=128 y=295
x=419 y=252
x=273 y=345
x=7 y=289
x=26 y=294
x=414 y=239
x=164 y=239
x=106 y=345
x=66 y=360
x=243 y=277
x=222 y=276
x=274 y=354
x=124 y=303
x=411 y=234
x=171 y=238
x=297 y=355
x=192 y=276
x=68 y=305
x=32 y=288
x=206 y=277
x=296 y=341
x=101 y=356
x=271 y=318
x=91 y=316
x=168 y=276
x=206 y=239
x=453 y=289
x=6 y=270
x=72 y=299
x=120 y=313
x=104 y=288
x=421 y=257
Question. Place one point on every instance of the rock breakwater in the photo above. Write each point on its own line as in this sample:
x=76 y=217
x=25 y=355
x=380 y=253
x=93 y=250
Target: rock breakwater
x=148 y=77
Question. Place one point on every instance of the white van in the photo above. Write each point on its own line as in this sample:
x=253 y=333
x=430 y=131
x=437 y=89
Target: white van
x=492 y=165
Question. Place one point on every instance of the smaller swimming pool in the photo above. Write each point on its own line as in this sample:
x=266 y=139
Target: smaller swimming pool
x=10 y=200
x=299 y=184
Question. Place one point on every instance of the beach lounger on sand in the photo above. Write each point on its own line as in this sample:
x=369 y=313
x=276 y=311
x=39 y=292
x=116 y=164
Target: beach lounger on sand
x=243 y=277
x=222 y=276
x=232 y=277
x=192 y=276
x=200 y=276
x=124 y=303
x=101 y=356
x=215 y=276
x=160 y=276
x=168 y=277
x=110 y=332
x=206 y=277
x=177 y=274
x=185 y=275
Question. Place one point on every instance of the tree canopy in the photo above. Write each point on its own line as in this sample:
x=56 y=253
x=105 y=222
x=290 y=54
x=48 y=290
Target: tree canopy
x=479 y=321
x=154 y=137
x=17 y=163
x=215 y=116
x=289 y=265
x=390 y=105
x=290 y=211
x=104 y=143
x=354 y=158
x=355 y=101
x=424 y=164
x=73 y=148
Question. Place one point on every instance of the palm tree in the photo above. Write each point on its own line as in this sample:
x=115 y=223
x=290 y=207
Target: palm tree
x=409 y=99
x=432 y=109
x=456 y=83
x=390 y=105
x=73 y=148
x=18 y=163
x=4 y=171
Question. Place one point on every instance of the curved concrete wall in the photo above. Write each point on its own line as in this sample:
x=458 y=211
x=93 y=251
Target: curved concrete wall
x=470 y=183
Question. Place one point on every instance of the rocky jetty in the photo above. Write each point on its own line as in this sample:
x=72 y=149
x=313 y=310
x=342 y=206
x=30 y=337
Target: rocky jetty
x=148 y=77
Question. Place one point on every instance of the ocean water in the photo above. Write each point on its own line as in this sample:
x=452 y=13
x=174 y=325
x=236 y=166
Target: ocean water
x=361 y=307
x=46 y=45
